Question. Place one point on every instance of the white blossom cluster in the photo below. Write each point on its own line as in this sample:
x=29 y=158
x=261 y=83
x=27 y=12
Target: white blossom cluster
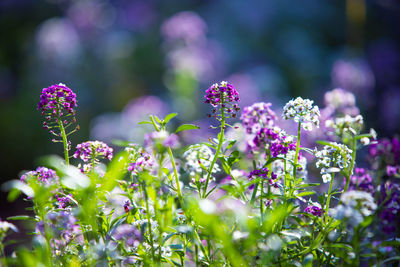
x=302 y=110
x=332 y=157
x=355 y=205
x=197 y=156
x=347 y=123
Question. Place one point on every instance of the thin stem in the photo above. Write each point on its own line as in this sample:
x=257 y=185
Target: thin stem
x=261 y=202
x=178 y=186
x=296 y=156
x=329 y=197
x=220 y=141
x=146 y=198
x=64 y=137
x=353 y=159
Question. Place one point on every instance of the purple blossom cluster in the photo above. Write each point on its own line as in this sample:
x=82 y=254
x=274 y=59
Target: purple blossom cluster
x=141 y=162
x=263 y=173
x=224 y=96
x=390 y=212
x=63 y=201
x=385 y=154
x=93 y=150
x=361 y=180
x=127 y=233
x=258 y=116
x=42 y=174
x=55 y=98
x=273 y=140
x=313 y=210
x=64 y=228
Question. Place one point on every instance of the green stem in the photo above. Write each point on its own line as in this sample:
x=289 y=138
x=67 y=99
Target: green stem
x=178 y=186
x=220 y=141
x=261 y=201
x=295 y=158
x=353 y=159
x=146 y=198
x=64 y=138
x=329 y=197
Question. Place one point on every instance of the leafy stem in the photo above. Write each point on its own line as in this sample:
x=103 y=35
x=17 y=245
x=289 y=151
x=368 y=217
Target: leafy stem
x=220 y=141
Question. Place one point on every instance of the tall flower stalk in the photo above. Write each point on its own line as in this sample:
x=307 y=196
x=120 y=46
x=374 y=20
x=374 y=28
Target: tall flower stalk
x=57 y=104
x=223 y=97
x=306 y=115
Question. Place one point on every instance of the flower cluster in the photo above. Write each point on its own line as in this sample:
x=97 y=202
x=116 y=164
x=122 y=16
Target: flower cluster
x=332 y=156
x=346 y=124
x=313 y=210
x=273 y=140
x=339 y=102
x=390 y=212
x=258 y=116
x=57 y=103
x=355 y=205
x=385 y=152
x=64 y=227
x=128 y=234
x=263 y=173
x=223 y=96
x=198 y=159
x=42 y=174
x=139 y=161
x=302 y=111
x=361 y=180
x=64 y=201
x=55 y=99
x=93 y=150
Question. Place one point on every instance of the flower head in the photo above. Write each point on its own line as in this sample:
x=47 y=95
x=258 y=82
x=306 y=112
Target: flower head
x=332 y=156
x=223 y=96
x=314 y=210
x=42 y=174
x=302 y=111
x=139 y=160
x=258 y=116
x=161 y=139
x=198 y=157
x=93 y=149
x=361 y=180
x=55 y=99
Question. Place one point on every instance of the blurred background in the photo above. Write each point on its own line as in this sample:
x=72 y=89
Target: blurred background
x=127 y=58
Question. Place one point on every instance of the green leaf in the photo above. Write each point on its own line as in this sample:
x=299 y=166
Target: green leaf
x=230 y=145
x=305 y=193
x=169 y=117
x=157 y=119
x=20 y=218
x=185 y=127
x=145 y=122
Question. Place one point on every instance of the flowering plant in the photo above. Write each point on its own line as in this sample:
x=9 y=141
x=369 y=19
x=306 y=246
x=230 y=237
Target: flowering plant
x=250 y=201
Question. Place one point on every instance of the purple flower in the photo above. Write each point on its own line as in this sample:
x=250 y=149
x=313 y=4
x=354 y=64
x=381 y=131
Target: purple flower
x=128 y=233
x=314 y=210
x=93 y=150
x=57 y=99
x=361 y=180
x=385 y=152
x=223 y=96
x=63 y=201
x=273 y=140
x=390 y=212
x=139 y=161
x=258 y=116
x=42 y=174
x=263 y=173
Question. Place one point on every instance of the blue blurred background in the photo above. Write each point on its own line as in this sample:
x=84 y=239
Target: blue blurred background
x=125 y=59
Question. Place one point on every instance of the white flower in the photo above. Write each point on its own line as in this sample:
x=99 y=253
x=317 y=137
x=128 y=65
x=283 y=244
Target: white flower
x=197 y=156
x=332 y=158
x=302 y=110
